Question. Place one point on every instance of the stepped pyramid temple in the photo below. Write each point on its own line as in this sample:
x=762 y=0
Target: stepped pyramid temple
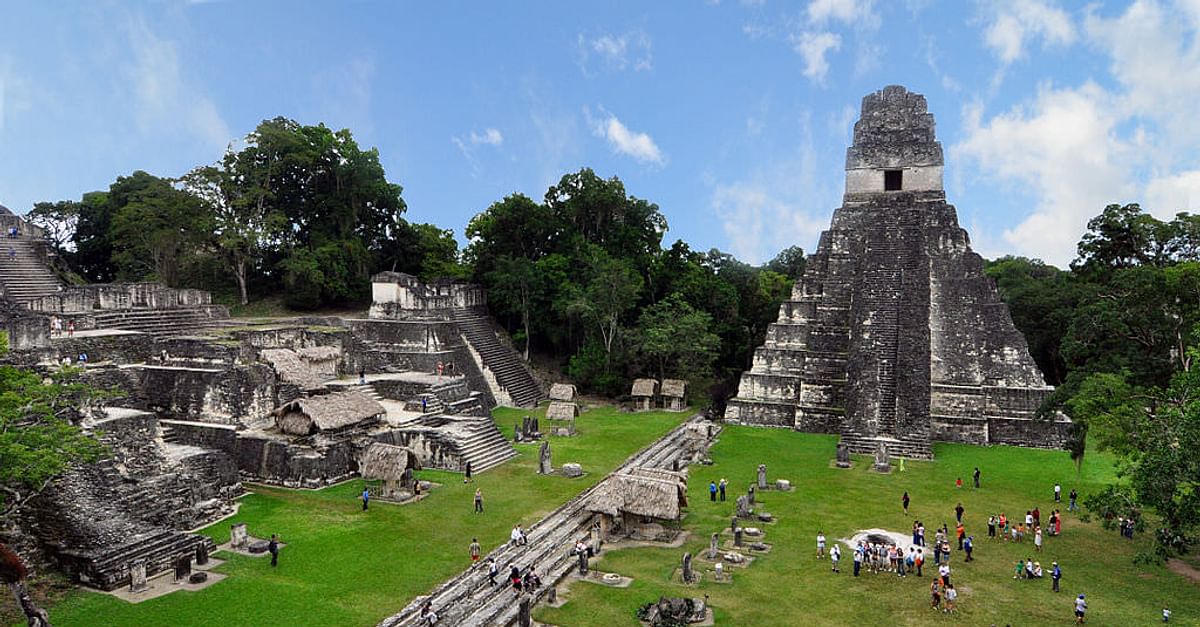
x=894 y=335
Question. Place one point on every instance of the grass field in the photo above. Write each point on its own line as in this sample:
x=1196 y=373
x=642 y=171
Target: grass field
x=346 y=567
x=788 y=586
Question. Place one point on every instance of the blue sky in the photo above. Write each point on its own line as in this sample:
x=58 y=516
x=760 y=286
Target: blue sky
x=732 y=116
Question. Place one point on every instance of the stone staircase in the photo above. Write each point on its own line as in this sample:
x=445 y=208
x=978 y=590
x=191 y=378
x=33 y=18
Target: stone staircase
x=505 y=364
x=163 y=322
x=109 y=569
x=478 y=440
x=468 y=601
x=25 y=277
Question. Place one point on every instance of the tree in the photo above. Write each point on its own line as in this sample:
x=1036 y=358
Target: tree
x=58 y=220
x=790 y=262
x=93 y=257
x=676 y=338
x=1042 y=301
x=155 y=227
x=514 y=286
x=611 y=290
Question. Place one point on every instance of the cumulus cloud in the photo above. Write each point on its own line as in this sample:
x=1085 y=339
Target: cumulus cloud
x=466 y=145
x=633 y=49
x=856 y=13
x=1076 y=149
x=1013 y=23
x=164 y=99
x=813 y=48
x=640 y=146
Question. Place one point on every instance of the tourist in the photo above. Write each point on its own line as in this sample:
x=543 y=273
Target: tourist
x=820 y=545
x=958 y=483
x=968 y=546
x=935 y=597
x=1037 y=571
x=901 y=463
x=858 y=558
x=1020 y=570
x=921 y=533
x=1037 y=518
x=12 y=253
x=944 y=574
x=991 y=527
x=467 y=473
x=474 y=549
x=721 y=486
x=1055 y=575
x=417 y=488
x=478 y=501
x=958 y=511
x=524 y=538
x=951 y=595
x=1019 y=532
x=532 y=581
x=70 y=328
x=939 y=539
x=1002 y=522
x=273 y=549
x=362 y=376
x=835 y=557
x=976 y=476
x=919 y=561
x=1057 y=493
x=493 y=570
x=712 y=491
x=514 y=536
x=1029 y=568
x=1071 y=506
x=960 y=533
x=901 y=565
x=1166 y=615
x=904 y=501
x=1080 y=609
x=514 y=577
x=12 y=233
x=910 y=560
x=428 y=616
x=366 y=498
x=1037 y=539
x=1057 y=522
x=440 y=368
x=424 y=404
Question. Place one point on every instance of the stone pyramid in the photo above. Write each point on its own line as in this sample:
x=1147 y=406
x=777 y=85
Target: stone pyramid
x=894 y=334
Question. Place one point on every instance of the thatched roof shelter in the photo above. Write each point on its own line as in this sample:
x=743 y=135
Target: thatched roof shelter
x=388 y=462
x=562 y=392
x=559 y=410
x=329 y=412
x=644 y=387
x=674 y=388
x=644 y=492
x=291 y=368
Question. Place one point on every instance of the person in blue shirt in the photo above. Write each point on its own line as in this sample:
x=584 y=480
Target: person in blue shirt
x=712 y=491
x=366 y=498
x=1055 y=575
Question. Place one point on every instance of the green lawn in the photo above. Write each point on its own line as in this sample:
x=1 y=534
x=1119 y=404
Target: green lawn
x=788 y=586
x=345 y=567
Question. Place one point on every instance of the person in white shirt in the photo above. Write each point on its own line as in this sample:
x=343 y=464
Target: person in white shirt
x=1080 y=608
x=1057 y=493
x=515 y=535
x=820 y=545
x=835 y=556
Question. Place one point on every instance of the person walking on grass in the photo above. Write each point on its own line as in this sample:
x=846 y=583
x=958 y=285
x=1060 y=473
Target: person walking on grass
x=904 y=501
x=366 y=498
x=1055 y=575
x=935 y=596
x=712 y=491
x=1057 y=493
x=721 y=486
x=858 y=558
x=820 y=545
x=273 y=549
x=467 y=473
x=1037 y=539
x=1080 y=609
x=968 y=546
x=976 y=477
x=474 y=549
x=835 y=558
x=1071 y=506
x=960 y=532
x=478 y=501
x=958 y=511
x=951 y=597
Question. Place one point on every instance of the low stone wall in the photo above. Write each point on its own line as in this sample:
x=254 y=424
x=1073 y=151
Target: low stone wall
x=203 y=434
x=230 y=396
x=123 y=348
x=1031 y=432
x=760 y=414
x=276 y=462
x=118 y=296
x=435 y=449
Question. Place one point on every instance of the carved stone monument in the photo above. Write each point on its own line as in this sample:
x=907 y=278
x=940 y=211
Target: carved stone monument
x=523 y=617
x=712 y=546
x=238 y=537
x=583 y=562
x=544 y=467
x=737 y=537
x=183 y=568
x=881 y=458
x=597 y=541
x=572 y=470
x=201 y=554
x=843 y=455
x=762 y=476
x=743 y=507
x=137 y=576
x=750 y=494
x=894 y=331
x=688 y=575
x=719 y=572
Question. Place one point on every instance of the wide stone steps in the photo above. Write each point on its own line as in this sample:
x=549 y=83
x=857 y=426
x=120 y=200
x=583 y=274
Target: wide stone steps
x=866 y=445
x=157 y=321
x=467 y=600
x=502 y=361
x=24 y=277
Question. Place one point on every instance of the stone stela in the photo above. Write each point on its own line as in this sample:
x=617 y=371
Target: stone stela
x=894 y=334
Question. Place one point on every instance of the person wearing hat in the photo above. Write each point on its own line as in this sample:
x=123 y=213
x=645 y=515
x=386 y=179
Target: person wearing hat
x=1080 y=608
x=1055 y=575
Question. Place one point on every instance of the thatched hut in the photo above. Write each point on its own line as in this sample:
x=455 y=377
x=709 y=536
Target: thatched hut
x=560 y=410
x=291 y=368
x=673 y=393
x=333 y=413
x=562 y=392
x=630 y=499
x=392 y=467
x=643 y=393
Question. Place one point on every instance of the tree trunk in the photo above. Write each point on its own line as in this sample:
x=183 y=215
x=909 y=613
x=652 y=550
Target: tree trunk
x=239 y=273
x=34 y=615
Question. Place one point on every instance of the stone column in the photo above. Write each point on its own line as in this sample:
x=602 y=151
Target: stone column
x=762 y=477
x=201 y=554
x=523 y=617
x=750 y=495
x=238 y=537
x=737 y=537
x=688 y=575
x=137 y=576
x=597 y=540
x=583 y=562
x=712 y=547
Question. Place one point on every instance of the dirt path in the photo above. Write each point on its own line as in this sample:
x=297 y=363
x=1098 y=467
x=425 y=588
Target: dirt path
x=1183 y=568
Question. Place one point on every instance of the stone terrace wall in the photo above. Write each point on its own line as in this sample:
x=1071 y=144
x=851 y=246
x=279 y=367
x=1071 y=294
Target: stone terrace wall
x=117 y=296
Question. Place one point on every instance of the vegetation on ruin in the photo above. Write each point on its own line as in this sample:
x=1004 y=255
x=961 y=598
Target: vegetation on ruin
x=345 y=567
x=788 y=586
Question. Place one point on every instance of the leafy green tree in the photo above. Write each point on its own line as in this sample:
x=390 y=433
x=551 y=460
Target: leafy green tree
x=39 y=438
x=1042 y=301
x=790 y=262
x=59 y=220
x=610 y=291
x=675 y=337
x=515 y=286
x=591 y=211
x=155 y=228
x=516 y=226
x=93 y=257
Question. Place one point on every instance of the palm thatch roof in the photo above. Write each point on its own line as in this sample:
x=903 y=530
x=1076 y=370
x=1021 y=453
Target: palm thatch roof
x=674 y=388
x=644 y=387
x=562 y=392
x=291 y=368
x=559 y=410
x=388 y=461
x=643 y=492
x=328 y=412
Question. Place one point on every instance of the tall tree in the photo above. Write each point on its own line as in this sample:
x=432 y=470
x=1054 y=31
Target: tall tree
x=610 y=291
x=58 y=220
x=675 y=337
x=155 y=227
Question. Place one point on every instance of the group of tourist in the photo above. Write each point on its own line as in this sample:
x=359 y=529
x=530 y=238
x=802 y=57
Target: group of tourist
x=56 y=327
x=517 y=536
x=1125 y=527
x=714 y=488
x=877 y=557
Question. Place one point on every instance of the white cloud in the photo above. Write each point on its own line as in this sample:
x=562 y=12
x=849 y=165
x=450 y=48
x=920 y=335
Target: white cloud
x=812 y=47
x=857 y=13
x=489 y=137
x=1167 y=195
x=640 y=146
x=1014 y=22
x=164 y=98
x=633 y=49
